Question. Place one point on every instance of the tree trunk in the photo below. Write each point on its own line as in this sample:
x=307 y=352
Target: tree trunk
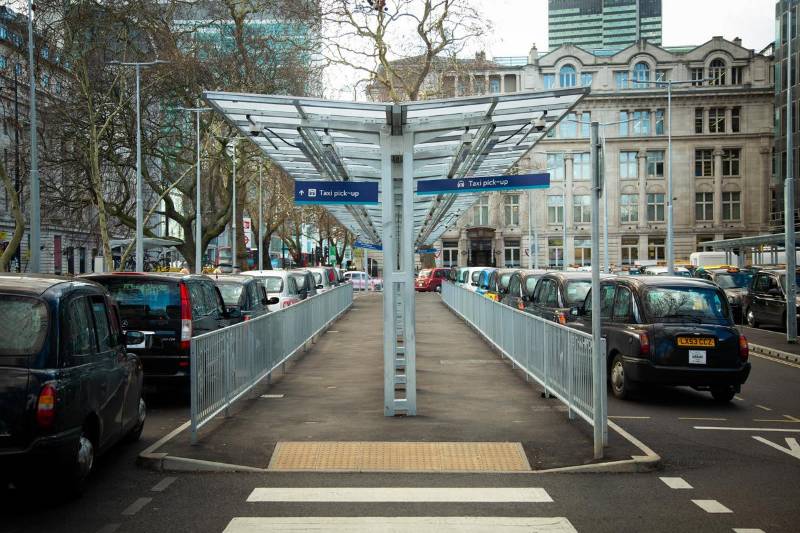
x=19 y=220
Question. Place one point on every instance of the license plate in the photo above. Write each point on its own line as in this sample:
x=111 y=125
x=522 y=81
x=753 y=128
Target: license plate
x=697 y=341
x=697 y=357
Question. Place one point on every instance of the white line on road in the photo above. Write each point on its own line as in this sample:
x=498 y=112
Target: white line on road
x=162 y=485
x=765 y=408
x=747 y=530
x=711 y=419
x=780 y=430
x=422 y=524
x=109 y=528
x=711 y=506
x=787 y=419
x=620 y=417
x=774 y=360
x=675 y=482
x=136 y=506
x=272 y=396
x=739 y=398
x=399 y=494
x=793 y=448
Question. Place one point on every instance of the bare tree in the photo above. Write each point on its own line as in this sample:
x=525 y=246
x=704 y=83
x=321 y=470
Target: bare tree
x=19 y=219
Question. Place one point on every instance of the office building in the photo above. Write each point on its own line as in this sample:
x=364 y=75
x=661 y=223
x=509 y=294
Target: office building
x=609 y=24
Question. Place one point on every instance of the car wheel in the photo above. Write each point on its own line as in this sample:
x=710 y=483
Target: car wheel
x=136 y=433
x=751 y=318
x=620 y=386
x=76 y=474
x=438 y=288
x=723 y=394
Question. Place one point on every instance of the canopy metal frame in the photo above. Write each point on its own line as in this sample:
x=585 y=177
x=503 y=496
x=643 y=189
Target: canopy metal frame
x=395 y=145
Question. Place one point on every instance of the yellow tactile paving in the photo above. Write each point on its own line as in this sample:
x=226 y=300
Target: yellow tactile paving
x=400 y=456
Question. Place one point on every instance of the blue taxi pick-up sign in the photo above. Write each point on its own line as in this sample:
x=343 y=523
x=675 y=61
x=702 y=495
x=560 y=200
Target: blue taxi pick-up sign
x=484 y=184
x=335 y=192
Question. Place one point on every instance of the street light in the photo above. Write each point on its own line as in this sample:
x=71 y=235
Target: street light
x=198 y=227
x=139 y=207
x=234 y=265
x=35 y=250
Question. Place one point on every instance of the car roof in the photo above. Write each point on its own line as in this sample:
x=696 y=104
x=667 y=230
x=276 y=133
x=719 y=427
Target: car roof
x=164 y=276
x=667 y=280
x=32 y=283
x=575 y=274
x=267 y=273
x=231 y=278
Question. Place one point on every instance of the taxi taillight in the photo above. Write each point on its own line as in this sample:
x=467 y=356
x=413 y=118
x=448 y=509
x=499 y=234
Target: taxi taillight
x=744 y=348
x=644 y=343
x=561 y=317
x=46 y=406
x=186 y=318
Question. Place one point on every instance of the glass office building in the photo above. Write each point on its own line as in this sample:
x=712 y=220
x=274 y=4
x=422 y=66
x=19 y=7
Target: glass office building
x=594 y=24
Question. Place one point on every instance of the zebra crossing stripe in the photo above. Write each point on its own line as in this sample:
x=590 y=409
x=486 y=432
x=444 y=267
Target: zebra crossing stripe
x=423 y=524
x=400 y=494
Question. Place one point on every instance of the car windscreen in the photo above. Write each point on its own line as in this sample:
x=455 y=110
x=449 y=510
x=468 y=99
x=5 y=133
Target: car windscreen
x=23 y=328
x=530 y=284
x=300 y=279
x=475 y=275
x=317 y=278
x=576 y=291
x=733 y=280
x=685 y=304
x=504 y=279
x=145 y=298
x=425 y=273
x=230 y=292
x=273 y=284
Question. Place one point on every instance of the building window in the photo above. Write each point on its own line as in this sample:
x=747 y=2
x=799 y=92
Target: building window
x=18 y=69
x=581 y=209
x=655 y=249
x=494 y=85
x=630 y=250
x=512 y=253
x=555 y=165
x=629 y=208
x=581 y=167
x=661 y=75
x=450 y=253
x=641 y=74
x=549 y=81
x=703 y=206
x=569 y=126
x=3 y=32
x=703 y=163
x=716 y=71
x=730 y=162
x=655 y=207
x=3 y=62
x=45 y=53
x=659 y=122
x=480 y=212
x=586 y=124
x=555 y=209
x=623 y=123
x=568 y=76
x=716 y=120
x=697 y=76
x=701 y=240
x=583 y=251
x=736 y=113
x=628 y=167
x=555 y=252
x=655 y=163
x=737 y=75
x=16 y=38
x=641 y=122
x=586 y=79
x=45 y=81
x=731 y=206
x=621 y=79
x=511 y=209
x=698 y=120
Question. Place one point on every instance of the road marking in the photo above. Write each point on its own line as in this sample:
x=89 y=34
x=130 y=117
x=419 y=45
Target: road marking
x=711 y=506
x=109 y=528
x=765 y=408
x=787 y=419
x=712 y=419
x=630 y=417
x=675 y=482
x=793 y=448
x=421 y=524
x=162 y=485
x=774 y=360
x=399 y=494
x=780 y=430
x=272 y=395
x=136 y=506
x=739 y=398
x=747 y=530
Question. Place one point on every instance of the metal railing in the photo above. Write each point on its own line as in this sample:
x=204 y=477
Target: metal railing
x=558 y=357
x=226 y=363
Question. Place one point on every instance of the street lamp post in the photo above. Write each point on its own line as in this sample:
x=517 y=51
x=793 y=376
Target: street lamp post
x=139 y=204
x=198 y=225
x=260 y=217
x=35 y=250
x=234 y=263
x=788 y=220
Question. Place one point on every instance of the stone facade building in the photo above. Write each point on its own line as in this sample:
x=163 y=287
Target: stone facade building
x=722 y=138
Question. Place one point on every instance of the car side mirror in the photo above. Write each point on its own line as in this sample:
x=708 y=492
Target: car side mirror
x=272 y=301
x=576 y=312
x=233 y=312
x=320 y=286
x=134 y=337
x=774 y=292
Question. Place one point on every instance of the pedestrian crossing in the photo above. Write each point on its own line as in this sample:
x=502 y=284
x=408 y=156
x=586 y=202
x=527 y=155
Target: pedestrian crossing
x=393 y=502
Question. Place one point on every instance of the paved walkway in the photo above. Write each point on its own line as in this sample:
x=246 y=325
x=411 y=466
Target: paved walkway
x=773 y=339
x=334 y=393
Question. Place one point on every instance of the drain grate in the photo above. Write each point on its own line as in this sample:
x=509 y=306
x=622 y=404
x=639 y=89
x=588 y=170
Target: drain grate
x=400 y=457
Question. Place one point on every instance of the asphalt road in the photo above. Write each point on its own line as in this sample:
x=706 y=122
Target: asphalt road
x=732 y=470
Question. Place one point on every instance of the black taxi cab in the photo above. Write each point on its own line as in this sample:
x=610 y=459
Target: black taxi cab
x=734 y=281
x=669 y=331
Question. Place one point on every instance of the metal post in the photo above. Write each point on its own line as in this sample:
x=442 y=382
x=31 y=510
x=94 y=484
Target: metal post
x=564 y=225
x=17 y=182
x=670 y=222
x=35 y=250
x=606 y=266
x=198 y=224
x=531 y=253
x=598 y=378
x=789 y=229
x=388 y=222
x=407 y=266
x=139 y=203
x=234 y=264
x=260 y=218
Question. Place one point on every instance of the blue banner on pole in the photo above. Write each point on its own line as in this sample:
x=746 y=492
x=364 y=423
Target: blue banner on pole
x=335 y=192
x=427 y=251
x=484 y=184
x=368 y=246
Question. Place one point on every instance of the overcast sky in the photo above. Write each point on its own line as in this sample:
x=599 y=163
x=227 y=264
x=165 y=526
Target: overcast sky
x=520 y=23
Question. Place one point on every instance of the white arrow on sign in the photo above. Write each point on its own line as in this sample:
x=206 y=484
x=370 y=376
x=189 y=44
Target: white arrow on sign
x=793 y=447
x=301 y=192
